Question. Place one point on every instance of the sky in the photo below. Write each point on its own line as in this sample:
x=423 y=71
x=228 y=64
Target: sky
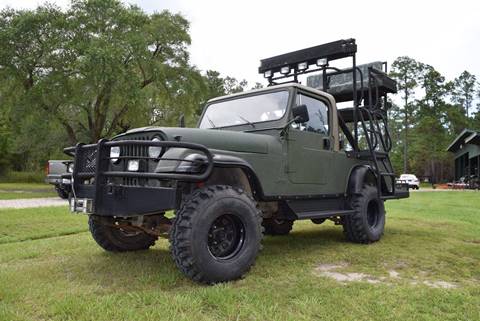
x=232 y=36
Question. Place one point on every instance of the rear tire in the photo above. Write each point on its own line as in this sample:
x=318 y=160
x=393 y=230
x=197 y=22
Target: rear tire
x=367 y=224
x=216 y=235
x=62 y=193
x=277 y=227
x=114 y=239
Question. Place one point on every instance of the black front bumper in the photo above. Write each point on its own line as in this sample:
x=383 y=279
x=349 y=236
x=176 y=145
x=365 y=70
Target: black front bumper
x=99 y=189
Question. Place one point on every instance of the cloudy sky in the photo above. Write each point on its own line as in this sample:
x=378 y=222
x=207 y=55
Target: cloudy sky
x=232 y=36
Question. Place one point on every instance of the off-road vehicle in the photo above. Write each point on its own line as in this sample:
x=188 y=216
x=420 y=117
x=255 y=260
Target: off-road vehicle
x=257 y=162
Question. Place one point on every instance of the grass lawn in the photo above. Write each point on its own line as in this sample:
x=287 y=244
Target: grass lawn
x=51 y=269
x=10 y=191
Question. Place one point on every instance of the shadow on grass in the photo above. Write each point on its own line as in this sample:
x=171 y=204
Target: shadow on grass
x=155 y=268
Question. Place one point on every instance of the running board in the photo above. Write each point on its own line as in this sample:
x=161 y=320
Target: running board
x=323 y=214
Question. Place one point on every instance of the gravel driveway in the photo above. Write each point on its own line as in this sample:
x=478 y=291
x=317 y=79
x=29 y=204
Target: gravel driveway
x=33 y=202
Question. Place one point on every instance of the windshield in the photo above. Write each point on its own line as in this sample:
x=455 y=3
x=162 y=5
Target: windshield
x=246 y=110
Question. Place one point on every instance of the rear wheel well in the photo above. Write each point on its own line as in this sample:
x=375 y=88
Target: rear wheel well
x=360 y=176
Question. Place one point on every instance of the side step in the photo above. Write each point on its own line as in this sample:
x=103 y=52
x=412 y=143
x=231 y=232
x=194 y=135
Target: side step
x=323 y=214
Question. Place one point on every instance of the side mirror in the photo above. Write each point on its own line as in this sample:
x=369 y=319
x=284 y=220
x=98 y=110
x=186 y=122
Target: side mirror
x=300 y=114
x=181 y=121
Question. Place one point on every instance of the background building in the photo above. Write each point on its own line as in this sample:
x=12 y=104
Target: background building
x=466 y=148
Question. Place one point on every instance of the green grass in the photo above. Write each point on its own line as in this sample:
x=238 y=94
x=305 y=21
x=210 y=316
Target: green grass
x=22 y=177
x=26 y=190
x=51 y=269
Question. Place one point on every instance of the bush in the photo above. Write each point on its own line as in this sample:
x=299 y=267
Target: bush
x=22 y=177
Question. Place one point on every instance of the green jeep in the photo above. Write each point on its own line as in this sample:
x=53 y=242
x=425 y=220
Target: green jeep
x=258 y=161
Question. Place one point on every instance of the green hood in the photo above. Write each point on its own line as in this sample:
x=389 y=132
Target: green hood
x=217 y=139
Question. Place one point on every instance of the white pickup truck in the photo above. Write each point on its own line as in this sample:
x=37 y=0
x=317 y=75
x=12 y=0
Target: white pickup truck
x=54 y=171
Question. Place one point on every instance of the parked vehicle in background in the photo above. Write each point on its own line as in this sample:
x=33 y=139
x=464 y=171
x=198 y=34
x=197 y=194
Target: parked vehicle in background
x=466 y=182
x=474 y=182
x=411 y=180
x=54 y=171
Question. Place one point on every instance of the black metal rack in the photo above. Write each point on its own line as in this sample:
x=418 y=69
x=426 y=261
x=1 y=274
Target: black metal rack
x=94 y=185
x=368 y=91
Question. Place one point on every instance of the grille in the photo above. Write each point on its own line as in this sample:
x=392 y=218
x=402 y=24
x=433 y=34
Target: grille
x=135 y=151
x=88 y=160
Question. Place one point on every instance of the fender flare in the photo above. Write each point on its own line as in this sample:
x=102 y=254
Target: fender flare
x=358 y=175
x=228 y=161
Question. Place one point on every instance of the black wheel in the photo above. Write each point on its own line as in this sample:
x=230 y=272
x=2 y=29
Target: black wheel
x=115 y=239
x=62 y=193
x=216 y=234
x=277 y=227
x=366 y=225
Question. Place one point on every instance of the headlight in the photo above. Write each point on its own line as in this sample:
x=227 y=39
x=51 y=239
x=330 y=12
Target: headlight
x=133 y=165
x=114 y=153
x=70 y=168
x=155 y=151
x=191 y=163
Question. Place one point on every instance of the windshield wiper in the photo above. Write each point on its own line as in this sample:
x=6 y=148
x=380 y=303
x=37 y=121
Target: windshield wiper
x=211 y=122
x=246 y=120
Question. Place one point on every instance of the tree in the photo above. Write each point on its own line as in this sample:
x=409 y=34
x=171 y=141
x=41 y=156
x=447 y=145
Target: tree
x=405 y=71
x=98 y=68
x=430 y=137
x=257 y=86
x=216 y=86
x=464 y=90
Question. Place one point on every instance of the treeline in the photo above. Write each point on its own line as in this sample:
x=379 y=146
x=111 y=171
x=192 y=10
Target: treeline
x=97 y=69
x=428 y=113
x=102 y=67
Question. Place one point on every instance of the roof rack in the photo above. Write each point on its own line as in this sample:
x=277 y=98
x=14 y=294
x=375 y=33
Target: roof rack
x=339 y=83
x=329 y=51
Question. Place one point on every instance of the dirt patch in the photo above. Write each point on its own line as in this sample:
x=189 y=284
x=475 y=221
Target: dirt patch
x=440 y=284
x=328 y=270
x=33 y=202
x=393 y=274
x=332 y=271
x=473 y=241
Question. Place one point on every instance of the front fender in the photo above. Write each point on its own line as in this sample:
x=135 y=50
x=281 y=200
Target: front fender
x=226 y=161
x=219 y=161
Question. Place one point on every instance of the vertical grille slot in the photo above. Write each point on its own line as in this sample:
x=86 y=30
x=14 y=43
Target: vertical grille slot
x=134 y=151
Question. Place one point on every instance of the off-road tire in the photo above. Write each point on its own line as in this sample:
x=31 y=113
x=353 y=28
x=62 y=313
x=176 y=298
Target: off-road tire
x=367 y=224
x=277 y=227
x=62 y=193
x=194 y=234
x=113 y=239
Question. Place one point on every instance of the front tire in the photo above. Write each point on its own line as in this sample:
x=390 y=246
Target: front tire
x=367 y=224
x=114 y=239
x=216 y=234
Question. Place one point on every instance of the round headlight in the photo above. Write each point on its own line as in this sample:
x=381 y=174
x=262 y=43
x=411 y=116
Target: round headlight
x=155 y=151
x=70 y=168
x=114 y=153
